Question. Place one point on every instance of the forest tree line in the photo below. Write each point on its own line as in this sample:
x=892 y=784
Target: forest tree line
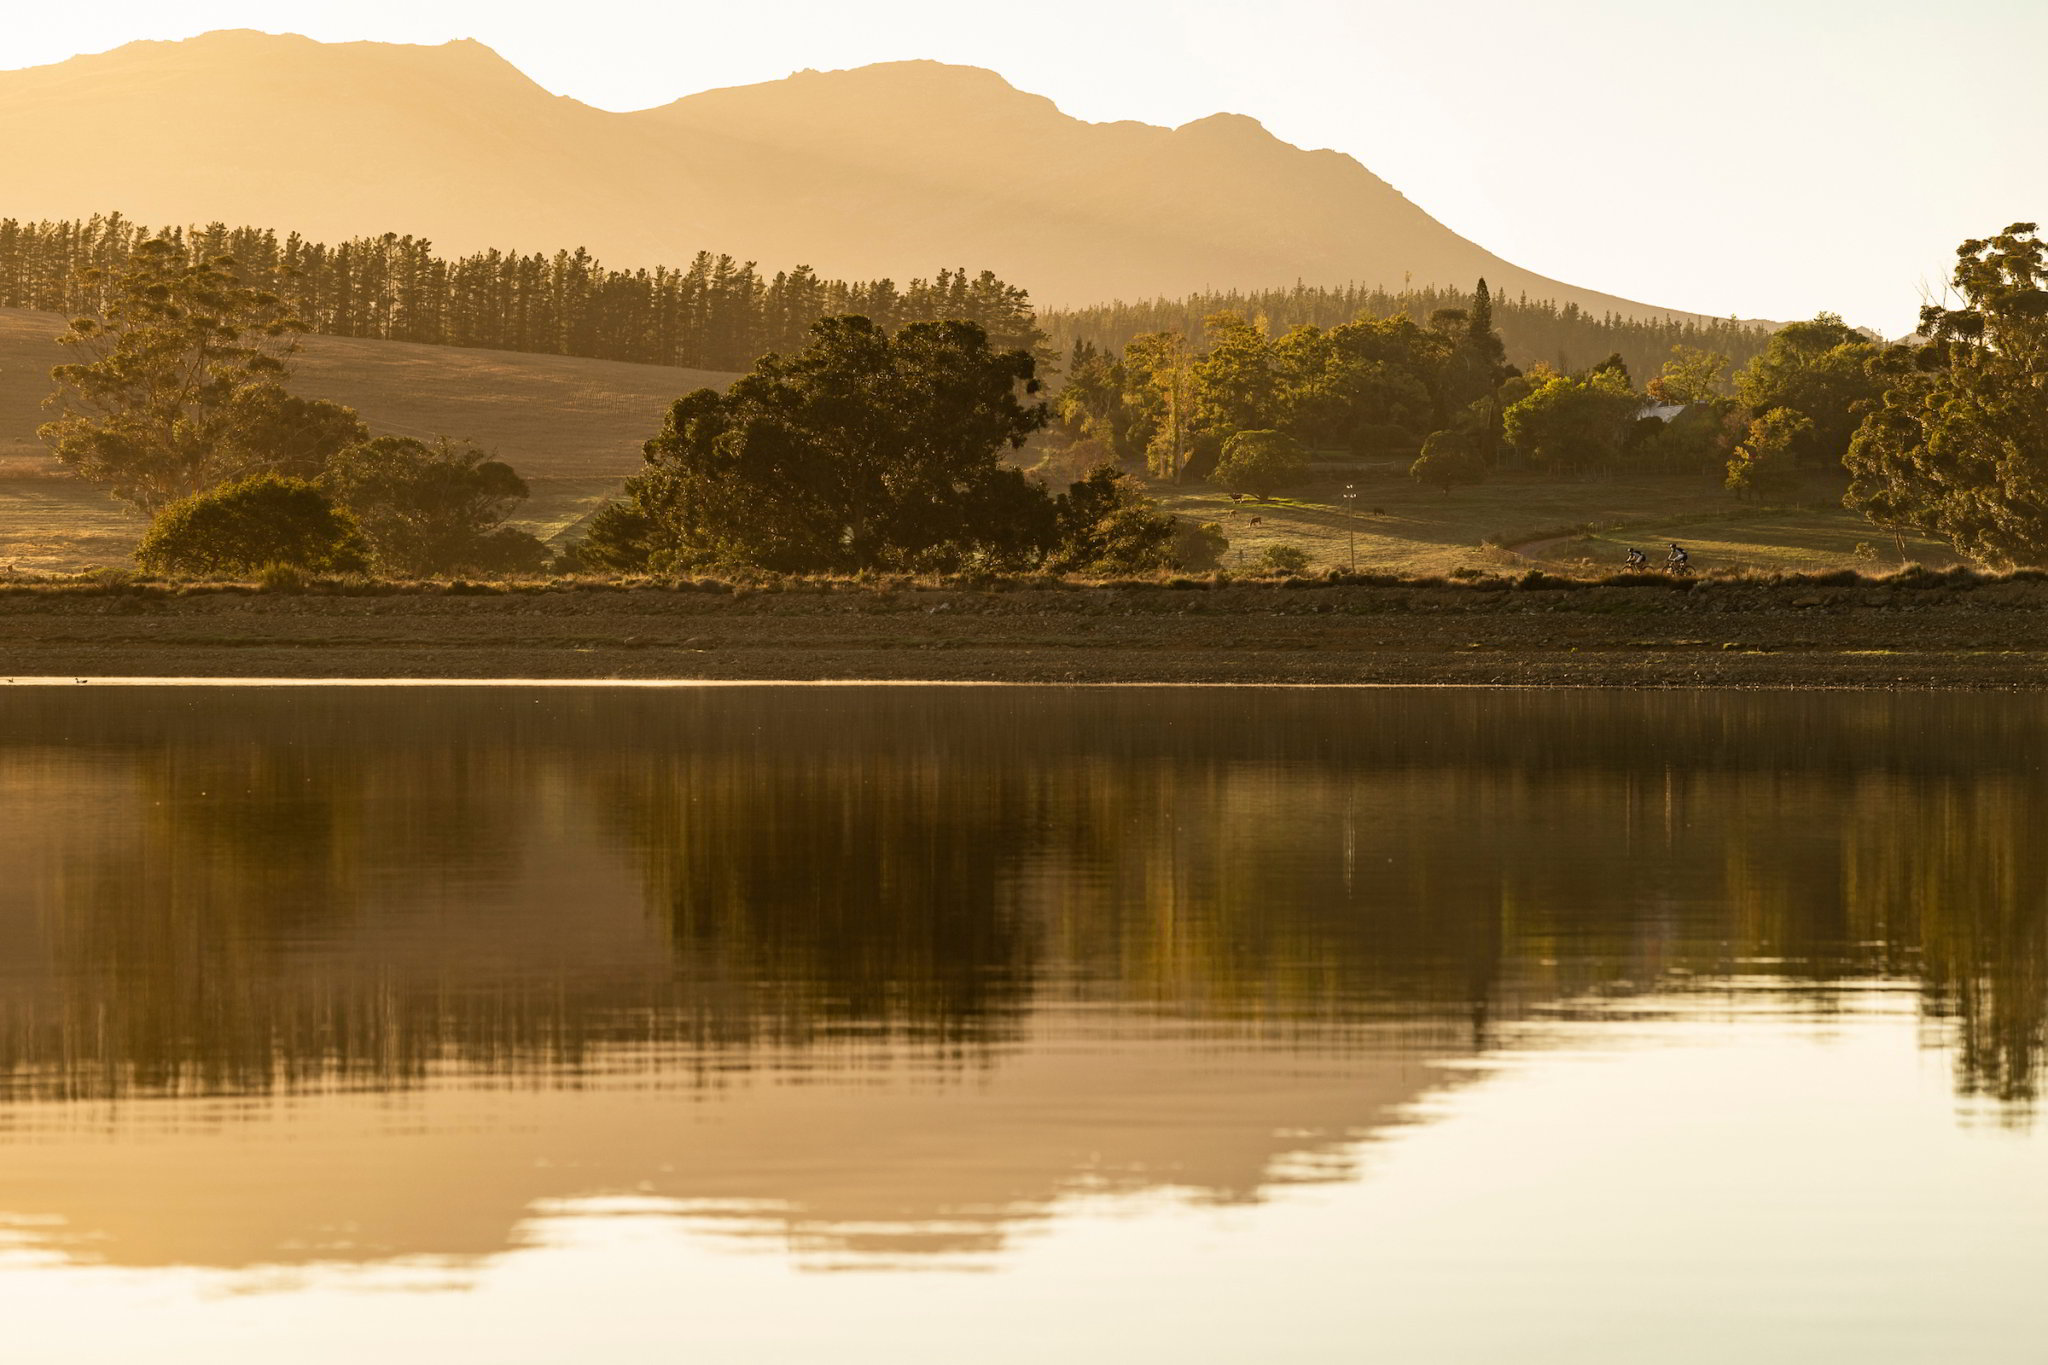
x=1944 y=434
x=718 y=313
x=1565 y=337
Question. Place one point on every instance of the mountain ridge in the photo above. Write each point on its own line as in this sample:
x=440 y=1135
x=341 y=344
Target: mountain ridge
x=883 y=170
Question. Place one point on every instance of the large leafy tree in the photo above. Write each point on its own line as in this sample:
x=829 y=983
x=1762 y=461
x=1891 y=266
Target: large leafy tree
x=1448 y=459
x=1159 y=392
x=1235 y=387
x=862 y=451
x=436 y=507
x=1691 y=375
x=1765 y=464
x=1261 y=463
x=181 y=384
x=1820 y=370
x=1573 y=422
x=1091 y=404
x=1366 y=384
x=1958 y=447
x=1104 y=525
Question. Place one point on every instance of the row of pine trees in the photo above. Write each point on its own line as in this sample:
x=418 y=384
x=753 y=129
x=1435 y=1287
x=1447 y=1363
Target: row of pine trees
x=719 y=313
x=716 y=314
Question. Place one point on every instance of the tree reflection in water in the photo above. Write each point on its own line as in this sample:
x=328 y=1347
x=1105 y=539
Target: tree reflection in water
x=228 y=891
x=955 y=953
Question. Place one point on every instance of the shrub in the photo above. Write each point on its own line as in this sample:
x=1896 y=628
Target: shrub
x=240 y=529
x=508 y=550
x=1198 y=547
x=1284 y=559
x=285 y=578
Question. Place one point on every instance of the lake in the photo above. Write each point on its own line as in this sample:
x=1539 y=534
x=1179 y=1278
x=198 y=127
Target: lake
x=537 y=1024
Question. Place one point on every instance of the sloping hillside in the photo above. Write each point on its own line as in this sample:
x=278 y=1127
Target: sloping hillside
x=573 y=427
x=889 y=170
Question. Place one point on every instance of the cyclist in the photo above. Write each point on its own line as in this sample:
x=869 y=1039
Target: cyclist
x=1636 y=558
x=1678 y=561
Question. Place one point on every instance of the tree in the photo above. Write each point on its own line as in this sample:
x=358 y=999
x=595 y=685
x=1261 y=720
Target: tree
x=862 y=451
x=620 y=538
x=1091 y=405
x=1701 y=437
x=1820 y=369
x=242 y=528
x=1366 y=385
x=1478 y=364
x=1615 y=365
x=1447 y=459
x=433 y=507
x=1572 y=422
x=1260 y=463
x=1159 y=392
x=1691 y=375
x=1104 y=525
x=182 y=385
x=1766 y=464
x=1958 y=447
x=1235 y=388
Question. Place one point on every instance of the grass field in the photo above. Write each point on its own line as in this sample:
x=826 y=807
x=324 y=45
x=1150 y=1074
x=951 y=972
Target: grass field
x=1516 y=520
x=572 y=427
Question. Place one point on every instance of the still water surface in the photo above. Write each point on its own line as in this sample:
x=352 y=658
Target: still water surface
x=850 y=1024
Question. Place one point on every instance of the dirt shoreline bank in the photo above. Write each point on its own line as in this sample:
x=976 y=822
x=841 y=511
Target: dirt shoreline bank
x=1989 y=634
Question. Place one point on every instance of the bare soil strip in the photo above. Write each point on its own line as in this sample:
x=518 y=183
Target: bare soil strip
x=1986 y=635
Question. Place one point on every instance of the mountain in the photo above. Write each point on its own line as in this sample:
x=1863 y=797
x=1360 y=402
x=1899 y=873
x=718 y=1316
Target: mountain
x=896 y=169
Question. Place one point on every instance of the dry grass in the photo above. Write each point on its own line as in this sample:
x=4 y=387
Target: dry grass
x=572 y=427
x=1520 y=521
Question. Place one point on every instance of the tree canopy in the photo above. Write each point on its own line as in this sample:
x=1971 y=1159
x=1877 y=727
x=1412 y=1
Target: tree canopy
x=1820 y=370
x=1260 y=463
x=713 y=312
x=1447 y=459
x=1573 y=422
x=869 y=451
x=1691 y=375
x=1563 y=336
x=1766 y=463
x=182 y=385
x=433 y=507
x=1958 y=446
x=1369 y=385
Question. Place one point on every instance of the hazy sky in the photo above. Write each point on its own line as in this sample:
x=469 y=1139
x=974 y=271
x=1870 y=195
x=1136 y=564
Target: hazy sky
x=1764 y=157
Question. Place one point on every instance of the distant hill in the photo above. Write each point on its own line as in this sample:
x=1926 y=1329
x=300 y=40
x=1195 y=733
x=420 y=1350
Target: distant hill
x=572 y=427
x=878 y=171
